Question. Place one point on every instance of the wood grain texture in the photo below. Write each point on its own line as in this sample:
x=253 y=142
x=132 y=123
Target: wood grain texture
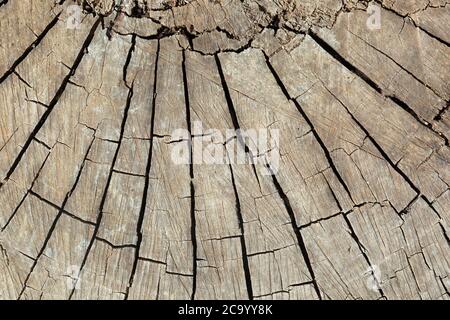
x=128 y=169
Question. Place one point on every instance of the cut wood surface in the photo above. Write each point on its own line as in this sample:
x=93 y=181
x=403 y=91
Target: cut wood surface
x=119 y=178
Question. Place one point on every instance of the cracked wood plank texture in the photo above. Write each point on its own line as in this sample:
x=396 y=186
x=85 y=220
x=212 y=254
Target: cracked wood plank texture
x=95 y=93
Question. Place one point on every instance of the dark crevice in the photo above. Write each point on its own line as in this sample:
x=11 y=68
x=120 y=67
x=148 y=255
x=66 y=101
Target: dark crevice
x=128 y=173
x=158 y=288
x=413 y=274
x=309 y=224
x=403 y=105
x=37 y=102
x=388 y=159
x=240 y=49
x=164 y=32
x=445 y=43
x=444 y=232
x=391 y=59
x=115 y=246
x=297 y=233
x=137 y=11
x=194 y=240
x=55 y=206
x=354 y=237
x=245 y=263
x=180 y=274
x=141 y=217
x=377 y=146
x=330 y=50
x=26 y=194
x=108 y=182
x=311 y=125
x=363 y=250
x=271 y=294
x=259 y=253
x=128 y=60
x=75 y=217
x=408 y=109
x=444 y=286
x=221 y=238
x=406 y=17
x=151 y=260
x=56 y=220
x=430 y=204
x=30 y=48
x=328 y=155
x=333 y=194
x=441 y=112
x=55 y=99
x=191 y=174
x=26 y=83
x=407 y=208
x=275 y=181
x=112 y=23
x=234 y=118
x=307 y=283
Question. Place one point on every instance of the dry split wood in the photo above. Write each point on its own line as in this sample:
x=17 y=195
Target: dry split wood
x=93 y=205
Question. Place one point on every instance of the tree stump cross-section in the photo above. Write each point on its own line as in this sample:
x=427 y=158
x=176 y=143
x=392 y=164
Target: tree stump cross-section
x=197 y=149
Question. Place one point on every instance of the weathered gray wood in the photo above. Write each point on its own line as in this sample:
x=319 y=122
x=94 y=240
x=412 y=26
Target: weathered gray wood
x=127 y=171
